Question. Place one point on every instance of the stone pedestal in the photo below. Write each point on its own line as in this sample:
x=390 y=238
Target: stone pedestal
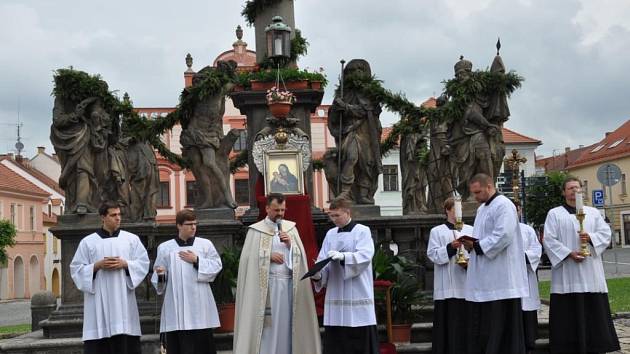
x=364 y=211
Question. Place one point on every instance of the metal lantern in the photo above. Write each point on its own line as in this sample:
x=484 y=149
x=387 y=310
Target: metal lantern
x=278 y=39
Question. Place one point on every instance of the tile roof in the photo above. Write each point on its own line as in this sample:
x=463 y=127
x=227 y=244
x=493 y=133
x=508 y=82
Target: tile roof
x=13 y=182
x=615 y=145
x=25 y=166
x=562 y=161
x=49 y=219
x=512 y=137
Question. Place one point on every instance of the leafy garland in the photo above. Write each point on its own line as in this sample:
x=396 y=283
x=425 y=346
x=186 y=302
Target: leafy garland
x=288 y=74
x=253 y=8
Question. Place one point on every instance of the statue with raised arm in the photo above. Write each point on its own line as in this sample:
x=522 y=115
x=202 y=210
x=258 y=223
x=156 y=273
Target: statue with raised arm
x=353 y=120
x=204 y=144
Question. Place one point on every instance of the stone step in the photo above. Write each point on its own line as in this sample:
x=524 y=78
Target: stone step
x=542 y=347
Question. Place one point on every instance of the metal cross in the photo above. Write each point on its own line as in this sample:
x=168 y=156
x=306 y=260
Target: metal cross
x=513 y=163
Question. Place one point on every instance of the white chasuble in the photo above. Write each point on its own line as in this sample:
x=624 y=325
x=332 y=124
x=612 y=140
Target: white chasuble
x=533 y=251
x=449 y=278
x=109 y=299
x=349 y=284
x=499 y=273
x=275 y=311
x=561 y=238
x=188 y=300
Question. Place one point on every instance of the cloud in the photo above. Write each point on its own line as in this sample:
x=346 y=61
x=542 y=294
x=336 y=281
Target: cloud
x=571 y=52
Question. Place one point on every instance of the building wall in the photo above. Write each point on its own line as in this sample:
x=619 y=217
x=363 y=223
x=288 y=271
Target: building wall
x=527 y=151
x=617 y=202
x=48 y=166
x=25 y=268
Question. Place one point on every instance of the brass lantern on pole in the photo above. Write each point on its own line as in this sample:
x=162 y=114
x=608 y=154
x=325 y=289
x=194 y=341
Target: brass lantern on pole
x=278 y=39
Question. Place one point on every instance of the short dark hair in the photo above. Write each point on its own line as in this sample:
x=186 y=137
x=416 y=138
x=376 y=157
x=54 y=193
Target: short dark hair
x=448 y=203
x=570 y=179
x=340 y=204
x=278 y=197
x=106 y=205
x=482 y=178
x=185 y=215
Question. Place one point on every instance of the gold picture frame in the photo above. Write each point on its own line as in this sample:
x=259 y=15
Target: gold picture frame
x=283 y=172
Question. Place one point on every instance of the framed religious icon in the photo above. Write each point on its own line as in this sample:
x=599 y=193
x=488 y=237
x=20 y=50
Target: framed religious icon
x=283 y=172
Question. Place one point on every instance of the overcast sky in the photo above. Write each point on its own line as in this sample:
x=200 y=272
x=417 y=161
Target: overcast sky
x=574 y=54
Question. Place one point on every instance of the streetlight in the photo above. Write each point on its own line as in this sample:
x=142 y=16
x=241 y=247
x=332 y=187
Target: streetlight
x=278 y=39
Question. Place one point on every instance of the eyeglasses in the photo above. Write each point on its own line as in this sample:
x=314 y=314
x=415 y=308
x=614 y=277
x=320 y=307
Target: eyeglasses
x=190 y=224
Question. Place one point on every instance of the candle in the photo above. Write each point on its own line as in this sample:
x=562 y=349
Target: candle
x=458 y=208
x=579 y=200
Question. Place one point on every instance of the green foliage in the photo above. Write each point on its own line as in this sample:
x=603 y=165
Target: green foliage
x=254 y=7
x=318 y=164
x=542 y=197
x=14 y=330
x=406 y=289
x=288 y=74
x=224 y=285
x=299 y=48
x=76 y=86
x=618 y=294
x=7 y=239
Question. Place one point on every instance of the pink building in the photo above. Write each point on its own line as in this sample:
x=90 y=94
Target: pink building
x=21 y=203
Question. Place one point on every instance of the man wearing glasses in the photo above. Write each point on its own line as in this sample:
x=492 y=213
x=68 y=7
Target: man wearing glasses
x=184 y=268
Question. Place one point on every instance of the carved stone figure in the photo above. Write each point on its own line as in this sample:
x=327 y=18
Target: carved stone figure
x=470 y=137
x=358 y=138
x=80 y=133
x=414 y=174
x=331 y=169
x=497 y=113
x=439 y=165
x=205 y=146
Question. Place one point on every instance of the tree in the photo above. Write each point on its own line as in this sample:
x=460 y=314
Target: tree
x=7 y=239
x=543 y=196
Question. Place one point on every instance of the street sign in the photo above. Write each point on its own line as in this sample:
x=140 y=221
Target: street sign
x=608 y=174
x=598 y=198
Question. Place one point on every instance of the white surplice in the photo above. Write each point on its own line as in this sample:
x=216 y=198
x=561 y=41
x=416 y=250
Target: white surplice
x=533 y=251
x=349 y=287
x=109 y=298
x=499 y=273
x=188 y=300
x=449 y=278
x=561 y=238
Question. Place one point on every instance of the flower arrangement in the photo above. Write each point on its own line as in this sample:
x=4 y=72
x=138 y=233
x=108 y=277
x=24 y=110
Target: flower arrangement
x=274 y=95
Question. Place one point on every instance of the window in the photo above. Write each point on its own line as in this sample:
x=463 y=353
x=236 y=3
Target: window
x=241 y=191
x=241 y=143
x=598 y=148
x=191 y=193
x=49 y=209
x=616 y=143
x=164 y=197
x=20 y=217
x=55 y=244
x=13 y=214
x=31 y=217
x=390 y=178
x=585 y=189
x=623 y=184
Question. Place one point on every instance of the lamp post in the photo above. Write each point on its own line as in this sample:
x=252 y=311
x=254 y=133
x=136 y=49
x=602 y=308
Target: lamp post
x=278 y=40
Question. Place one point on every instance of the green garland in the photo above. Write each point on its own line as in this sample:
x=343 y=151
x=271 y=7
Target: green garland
x=288 y=74
x=253 y=8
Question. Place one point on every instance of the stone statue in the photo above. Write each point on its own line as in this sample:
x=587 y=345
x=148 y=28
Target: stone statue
x=497 y=113
x=205 y=146
x=470 y=137
x=80 y=133
x=439 y=165
x=331 y=169
x=414 y=174
x=144 y=179
x=358 y=138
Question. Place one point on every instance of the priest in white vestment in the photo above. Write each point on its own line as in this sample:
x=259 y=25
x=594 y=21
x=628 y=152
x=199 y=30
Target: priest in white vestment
x=184 y=268
x=107 y=267
x=275 y=311
x=579 y=314
x=449 y=282
x=349 y=316
x=496 y=279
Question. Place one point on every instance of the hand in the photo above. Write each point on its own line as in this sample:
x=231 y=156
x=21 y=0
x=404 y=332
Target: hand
x=284 y=237
x=575 y=255
x=456 y=244
x=188 y=256
x=468 y=245
x=113 y=263
x=336 y=256
x=159 y=270
x=584 y=237
x=277 y=258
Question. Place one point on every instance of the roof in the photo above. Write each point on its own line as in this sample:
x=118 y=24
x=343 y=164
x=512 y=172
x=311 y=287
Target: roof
x=52 y=219
x=385 y=133
x=512 y=137
x=56 y=202
x=13 y=182
x=615 y=145
x=25 y=166
x=562 y=161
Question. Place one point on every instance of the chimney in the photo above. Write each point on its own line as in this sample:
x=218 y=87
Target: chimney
x=581 y=146
x=10 y=155
x=567 y=149
x=41 y=149
x=607 y=134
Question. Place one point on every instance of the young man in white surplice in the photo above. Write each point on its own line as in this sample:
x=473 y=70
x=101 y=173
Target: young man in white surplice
x=107 y=267
x=184 y=268
x=349 y=317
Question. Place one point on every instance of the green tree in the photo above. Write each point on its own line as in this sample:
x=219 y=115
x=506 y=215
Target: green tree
x=542 y=196
x=7 y=239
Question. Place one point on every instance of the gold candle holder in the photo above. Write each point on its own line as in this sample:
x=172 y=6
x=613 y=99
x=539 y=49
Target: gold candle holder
x=461 y=256
x=584 y=251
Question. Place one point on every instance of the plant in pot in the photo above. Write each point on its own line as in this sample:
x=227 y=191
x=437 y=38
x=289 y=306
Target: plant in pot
x=406 y=291
x=224 y=287
x=280 y=102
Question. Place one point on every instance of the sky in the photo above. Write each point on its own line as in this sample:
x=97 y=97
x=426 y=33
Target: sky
x=573 y=54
